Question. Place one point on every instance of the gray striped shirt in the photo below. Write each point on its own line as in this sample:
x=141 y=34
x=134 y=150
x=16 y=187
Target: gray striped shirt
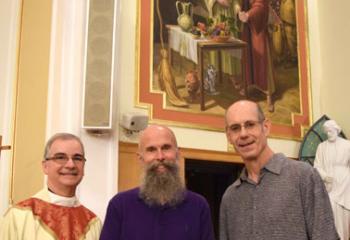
x=290 y=202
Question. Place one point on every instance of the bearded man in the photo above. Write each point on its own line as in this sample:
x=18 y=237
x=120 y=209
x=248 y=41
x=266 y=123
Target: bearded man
x=161 y=208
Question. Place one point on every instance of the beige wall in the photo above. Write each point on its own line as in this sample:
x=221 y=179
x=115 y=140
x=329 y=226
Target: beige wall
x=30 y=112
x=334 y=25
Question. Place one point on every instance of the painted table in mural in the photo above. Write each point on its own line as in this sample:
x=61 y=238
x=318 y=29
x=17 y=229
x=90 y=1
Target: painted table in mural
x=194 y=48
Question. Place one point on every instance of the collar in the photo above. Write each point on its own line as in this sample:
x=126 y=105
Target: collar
x=274 y=165
x=63 y=201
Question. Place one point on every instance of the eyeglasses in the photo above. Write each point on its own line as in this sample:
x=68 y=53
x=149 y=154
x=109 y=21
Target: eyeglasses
x=63 y=159
x=249 y=126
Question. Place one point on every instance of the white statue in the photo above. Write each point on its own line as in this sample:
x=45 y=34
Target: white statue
x=210 y=80
x=333 y=163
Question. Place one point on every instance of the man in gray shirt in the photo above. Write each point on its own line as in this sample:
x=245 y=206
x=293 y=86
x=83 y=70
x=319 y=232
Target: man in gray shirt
x=275 y=198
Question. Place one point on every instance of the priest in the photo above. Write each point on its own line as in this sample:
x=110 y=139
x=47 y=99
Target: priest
x=55 y=212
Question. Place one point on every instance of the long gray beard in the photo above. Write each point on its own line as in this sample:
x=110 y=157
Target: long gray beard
x=162 y=188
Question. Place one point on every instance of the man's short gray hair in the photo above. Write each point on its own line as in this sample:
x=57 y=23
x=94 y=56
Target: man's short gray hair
x=61 y=136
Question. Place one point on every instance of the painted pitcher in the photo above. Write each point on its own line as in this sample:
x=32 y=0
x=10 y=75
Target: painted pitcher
x=185 y=15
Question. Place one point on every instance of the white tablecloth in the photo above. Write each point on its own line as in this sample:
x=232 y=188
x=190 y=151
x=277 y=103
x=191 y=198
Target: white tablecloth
x=184 y=43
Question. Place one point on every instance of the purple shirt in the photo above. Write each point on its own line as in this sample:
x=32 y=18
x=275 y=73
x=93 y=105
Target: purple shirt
x=129 y=218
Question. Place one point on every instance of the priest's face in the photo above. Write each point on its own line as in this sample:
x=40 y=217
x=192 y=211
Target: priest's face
x=64 y=166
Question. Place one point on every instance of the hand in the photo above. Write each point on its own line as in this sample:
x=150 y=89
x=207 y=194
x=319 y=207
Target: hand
x=328 y=179
x=237 y=8
x=243 y=16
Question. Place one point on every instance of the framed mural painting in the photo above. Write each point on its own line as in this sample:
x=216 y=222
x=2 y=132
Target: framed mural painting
x=194 y=60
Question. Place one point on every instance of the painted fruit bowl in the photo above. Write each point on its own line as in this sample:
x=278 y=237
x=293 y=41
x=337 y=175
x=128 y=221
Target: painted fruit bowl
x=221 y=38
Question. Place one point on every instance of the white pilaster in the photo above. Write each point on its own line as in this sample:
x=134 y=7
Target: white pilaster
x=69 y=20
x=9 y=30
